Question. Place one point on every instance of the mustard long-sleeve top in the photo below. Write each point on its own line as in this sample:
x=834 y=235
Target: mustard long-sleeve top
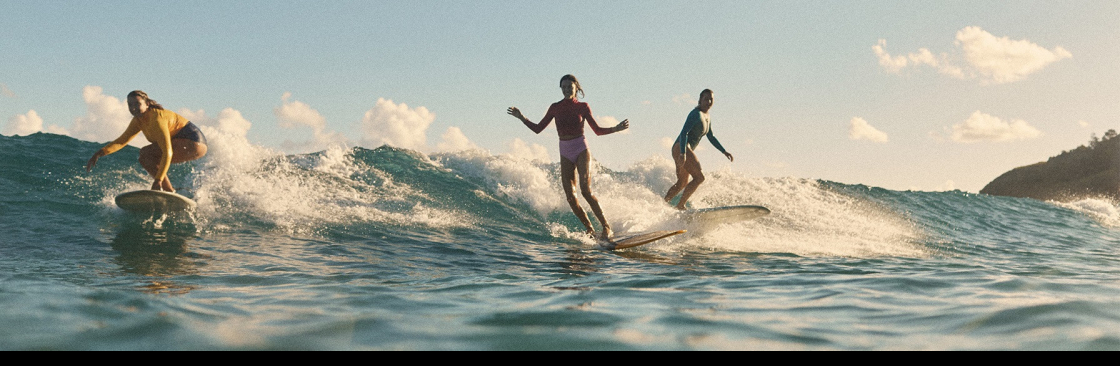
x=158 y=125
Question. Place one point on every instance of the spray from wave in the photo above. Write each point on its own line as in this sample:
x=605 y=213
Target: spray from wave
x=240 y=184
x=1101 y=210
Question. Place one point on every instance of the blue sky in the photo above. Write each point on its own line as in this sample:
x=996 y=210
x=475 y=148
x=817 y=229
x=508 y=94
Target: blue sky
x=902 y=95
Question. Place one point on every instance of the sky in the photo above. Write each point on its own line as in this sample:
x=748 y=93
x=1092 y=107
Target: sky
x=930 y=96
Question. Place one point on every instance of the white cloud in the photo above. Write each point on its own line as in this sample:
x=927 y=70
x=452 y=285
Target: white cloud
x=229 y=121
x=985 y=127
x=893 y=64
x=24 y=124
x=105 y=119
x=396 y=125
x=292 y=114
x=986 y=57
x=1002 y=60
x=29 y=123
x=1083 y=124
x=4 y=91
x=454 y=140
x=533 y=152
x=683 y=99
x=859 y=129
x=296 y=113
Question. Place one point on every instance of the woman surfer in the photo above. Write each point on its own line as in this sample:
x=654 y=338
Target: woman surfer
x=174 y=139
x=697 y=125
x=570 y=114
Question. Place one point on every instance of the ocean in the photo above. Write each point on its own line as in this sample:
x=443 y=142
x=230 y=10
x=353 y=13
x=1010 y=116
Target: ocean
x=392 y=249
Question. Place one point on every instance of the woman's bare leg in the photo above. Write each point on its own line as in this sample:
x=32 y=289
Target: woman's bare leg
x=568 y=181
x=682 y=175
x=692 y=166
x=583 y=165
x=182 y=150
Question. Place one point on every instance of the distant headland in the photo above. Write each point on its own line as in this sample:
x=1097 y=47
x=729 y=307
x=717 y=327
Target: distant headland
x=1091 y=171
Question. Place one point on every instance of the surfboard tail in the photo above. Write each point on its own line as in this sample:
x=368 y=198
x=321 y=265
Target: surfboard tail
x=642 y=238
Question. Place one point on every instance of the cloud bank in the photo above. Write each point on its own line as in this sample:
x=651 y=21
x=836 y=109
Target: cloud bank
x=29 y=123
x=979 y=55
x=387 y=122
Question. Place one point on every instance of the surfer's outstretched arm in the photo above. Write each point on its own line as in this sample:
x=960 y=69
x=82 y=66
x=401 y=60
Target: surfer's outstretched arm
x=536 y=127
x=112 y=147
x=599 y=131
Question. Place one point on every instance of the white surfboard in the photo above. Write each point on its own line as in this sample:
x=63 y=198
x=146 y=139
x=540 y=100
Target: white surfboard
x=636 y=239
x=727 y=214
x=154 y=201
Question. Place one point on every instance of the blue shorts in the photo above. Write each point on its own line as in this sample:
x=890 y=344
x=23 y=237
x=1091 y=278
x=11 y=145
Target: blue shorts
x=191 y=132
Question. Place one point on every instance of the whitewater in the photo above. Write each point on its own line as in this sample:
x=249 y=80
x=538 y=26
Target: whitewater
x=394 y=249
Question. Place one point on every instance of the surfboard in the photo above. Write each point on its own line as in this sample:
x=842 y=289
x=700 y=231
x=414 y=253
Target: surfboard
x=636 y=239
x=153 y=201
x=727 y=214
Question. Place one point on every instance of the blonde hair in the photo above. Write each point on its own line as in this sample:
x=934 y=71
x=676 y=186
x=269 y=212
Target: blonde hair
x=144 y=96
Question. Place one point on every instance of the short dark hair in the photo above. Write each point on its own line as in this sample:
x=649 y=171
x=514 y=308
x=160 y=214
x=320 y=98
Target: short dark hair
x=706 y=91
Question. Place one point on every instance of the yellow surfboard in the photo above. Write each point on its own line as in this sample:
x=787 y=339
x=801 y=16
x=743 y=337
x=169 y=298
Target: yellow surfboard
x=633 y=240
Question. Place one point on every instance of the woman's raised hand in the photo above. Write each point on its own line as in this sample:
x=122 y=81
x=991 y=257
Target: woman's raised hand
x=513 y=111
x=625 y=124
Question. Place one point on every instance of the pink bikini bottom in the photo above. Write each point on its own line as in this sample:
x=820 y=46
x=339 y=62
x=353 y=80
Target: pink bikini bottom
x=570 y=149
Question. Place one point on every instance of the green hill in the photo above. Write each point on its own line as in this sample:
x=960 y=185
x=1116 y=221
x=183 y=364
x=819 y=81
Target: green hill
x=1091 y=171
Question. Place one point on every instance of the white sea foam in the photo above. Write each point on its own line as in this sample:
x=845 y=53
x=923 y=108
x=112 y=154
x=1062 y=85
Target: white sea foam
x=806 y=219
x=1104 y=211
x=511 y=178
x=301 y=194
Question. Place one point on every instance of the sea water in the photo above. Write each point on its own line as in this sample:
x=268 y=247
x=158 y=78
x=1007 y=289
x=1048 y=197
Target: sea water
x=391 y=249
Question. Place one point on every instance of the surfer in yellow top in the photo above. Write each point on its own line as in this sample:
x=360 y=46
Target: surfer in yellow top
x=570 y=115
x=174 y=139
x=697 y=125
